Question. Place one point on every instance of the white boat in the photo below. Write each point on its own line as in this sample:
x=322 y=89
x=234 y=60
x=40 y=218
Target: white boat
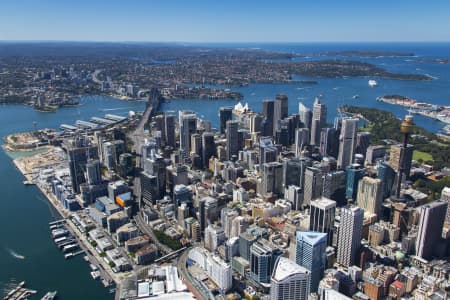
x=443 y=118
x=372 y=83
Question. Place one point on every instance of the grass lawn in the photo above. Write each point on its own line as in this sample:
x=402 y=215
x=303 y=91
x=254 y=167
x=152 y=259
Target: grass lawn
x=421 y=155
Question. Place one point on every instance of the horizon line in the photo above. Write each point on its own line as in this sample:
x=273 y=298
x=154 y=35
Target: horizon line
x=221 y=42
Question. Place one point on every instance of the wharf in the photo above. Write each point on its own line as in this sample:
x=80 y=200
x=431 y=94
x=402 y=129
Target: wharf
x=19 y=292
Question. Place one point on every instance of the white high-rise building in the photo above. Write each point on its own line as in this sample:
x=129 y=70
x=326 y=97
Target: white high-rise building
x=445 y=197
x=349 y=235
x=301 y=140
x=370 y=195
x=347 y=142
x=321 y=217
x=289 y=281
x=220 y=272
x=319 y=120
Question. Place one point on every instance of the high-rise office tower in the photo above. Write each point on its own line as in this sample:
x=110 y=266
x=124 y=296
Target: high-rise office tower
x=93 y=172
x=333 y=182
x=329 y=142
x=225 y=114
x=246 y=239
x=313 y=184
x=159 y=125
x=310 y=253
x=305 y=115
x=149 y=190
x=262 y=260
x=268 y=113
x=232 y=138
x=445 y=197
x=362 y=142
x=188 y=126
x=387 y=177
x=431 y=222
x=78 y=155
x=294 y=172
x=272 y=181
x=267 y=151
x=347 y=142
x=196 y=144
x=319 y=120
x=349 y=233
x=354 y=173
x=301 y=140
x=255 y=123
x=321 y=217
x=169 y=125
x=280 y=110
x=370 y=195
x=208 y=147
x=289 y=281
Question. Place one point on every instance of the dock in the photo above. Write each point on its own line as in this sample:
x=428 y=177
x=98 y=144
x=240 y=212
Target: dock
x=19 y=292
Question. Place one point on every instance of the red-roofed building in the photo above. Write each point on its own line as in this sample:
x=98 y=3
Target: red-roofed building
x=397 y=289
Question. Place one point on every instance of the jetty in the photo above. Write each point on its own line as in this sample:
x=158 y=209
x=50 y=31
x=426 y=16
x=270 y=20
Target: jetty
x=19 y=292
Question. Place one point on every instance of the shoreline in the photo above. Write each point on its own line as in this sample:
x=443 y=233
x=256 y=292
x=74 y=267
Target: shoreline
x=90 y=251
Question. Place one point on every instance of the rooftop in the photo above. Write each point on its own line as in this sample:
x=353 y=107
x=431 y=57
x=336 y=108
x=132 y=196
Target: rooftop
x=285 y=268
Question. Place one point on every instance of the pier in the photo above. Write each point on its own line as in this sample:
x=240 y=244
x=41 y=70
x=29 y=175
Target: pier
x=19 y=292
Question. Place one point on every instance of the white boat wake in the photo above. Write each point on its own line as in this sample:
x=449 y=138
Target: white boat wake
x=15 y=254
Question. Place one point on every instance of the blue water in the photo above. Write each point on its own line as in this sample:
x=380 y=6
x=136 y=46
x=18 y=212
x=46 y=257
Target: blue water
x=339 y=91
x=25 y=213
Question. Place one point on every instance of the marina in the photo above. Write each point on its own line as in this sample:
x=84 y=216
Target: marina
x=19 y=292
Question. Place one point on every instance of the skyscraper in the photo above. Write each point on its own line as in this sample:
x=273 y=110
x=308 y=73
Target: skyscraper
x=169 y=125
x=268 y=113
x=188 y=126
x=347 y=142
x=349 y=235
x=313 y=184
x=305 y=115
x=267 y=151
x=294 y=172
x=262 y=260
x=232 y=138
x=208 y=147
x=431 y=222
x=387 y=176
x=319 y=120
x=225 y=114
x=93 y=172
x=310 y=253
x=354 y=173
x=301 y=140
x=289 y=281
x=321 y=217
x=445 y=197
x=370 y=195
x=280 y=110
x=329 y=142
x=272 y=181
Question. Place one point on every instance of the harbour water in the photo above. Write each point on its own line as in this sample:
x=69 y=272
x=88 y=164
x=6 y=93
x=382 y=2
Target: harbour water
x=28 y=253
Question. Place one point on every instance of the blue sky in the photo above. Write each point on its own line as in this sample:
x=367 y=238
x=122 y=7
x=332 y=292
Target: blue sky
x=225 y=21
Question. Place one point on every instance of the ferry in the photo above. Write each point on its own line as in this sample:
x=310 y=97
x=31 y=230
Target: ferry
x=372 y=83
x=50 y=296
x=95 y=275
x=443 y=118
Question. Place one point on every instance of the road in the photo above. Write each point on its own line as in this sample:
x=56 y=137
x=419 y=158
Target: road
x=194 y=286
x=145 y=229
